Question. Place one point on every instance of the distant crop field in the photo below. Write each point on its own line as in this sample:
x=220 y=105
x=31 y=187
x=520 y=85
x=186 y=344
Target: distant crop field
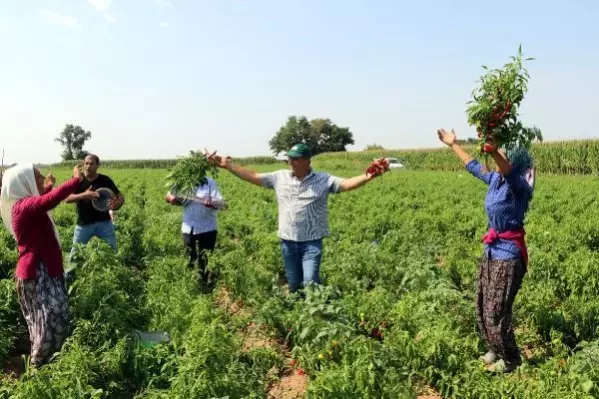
x=566 y=157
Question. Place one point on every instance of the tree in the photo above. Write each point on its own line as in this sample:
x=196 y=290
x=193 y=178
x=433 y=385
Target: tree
x=73 y=139
x=296 y=130
x=331 y=138
x=374 y=147
x=321 y=135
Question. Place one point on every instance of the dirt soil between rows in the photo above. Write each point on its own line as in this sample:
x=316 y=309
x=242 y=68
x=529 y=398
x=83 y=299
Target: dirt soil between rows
x=288 y=383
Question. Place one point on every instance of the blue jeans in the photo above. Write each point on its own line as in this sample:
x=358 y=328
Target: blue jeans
x=302 y=262
x=103 y=230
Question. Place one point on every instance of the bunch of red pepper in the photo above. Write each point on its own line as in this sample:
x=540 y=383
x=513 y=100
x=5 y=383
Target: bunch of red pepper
x=496 y=119
x=378 y=167
x=493 y=109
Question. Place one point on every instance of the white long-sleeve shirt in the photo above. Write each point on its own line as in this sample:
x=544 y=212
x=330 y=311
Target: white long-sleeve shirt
x=198 y=218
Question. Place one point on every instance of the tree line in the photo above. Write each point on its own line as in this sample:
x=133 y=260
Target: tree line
x=320 y=135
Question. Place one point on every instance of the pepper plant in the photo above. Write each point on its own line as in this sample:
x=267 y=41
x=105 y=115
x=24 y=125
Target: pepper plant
x=494 y=108
x=189 y=173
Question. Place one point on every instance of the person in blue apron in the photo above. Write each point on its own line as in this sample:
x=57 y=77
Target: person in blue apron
x=505 y=258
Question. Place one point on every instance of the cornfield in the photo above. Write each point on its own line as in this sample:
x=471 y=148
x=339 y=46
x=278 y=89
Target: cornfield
x=561 y=158
x=163 y=163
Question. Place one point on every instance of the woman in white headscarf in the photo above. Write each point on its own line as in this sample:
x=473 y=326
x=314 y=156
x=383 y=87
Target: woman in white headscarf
x=26 y=199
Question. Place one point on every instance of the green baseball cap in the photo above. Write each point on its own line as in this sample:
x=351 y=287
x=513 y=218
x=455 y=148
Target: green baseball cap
x=299 y=151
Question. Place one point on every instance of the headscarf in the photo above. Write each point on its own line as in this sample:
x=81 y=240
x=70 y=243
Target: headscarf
x=18 y=182
x=522 y=163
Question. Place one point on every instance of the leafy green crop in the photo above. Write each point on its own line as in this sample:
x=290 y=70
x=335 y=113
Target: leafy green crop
x=395 y=318
x=494 y=110
x=189 y=173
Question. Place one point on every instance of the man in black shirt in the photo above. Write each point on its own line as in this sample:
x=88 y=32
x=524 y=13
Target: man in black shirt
x=90 y=221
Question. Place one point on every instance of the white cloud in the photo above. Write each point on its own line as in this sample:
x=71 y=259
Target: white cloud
x=58 y=19
x=100 y=5
x=110 y=18
x=164 y=25
x=165 y=3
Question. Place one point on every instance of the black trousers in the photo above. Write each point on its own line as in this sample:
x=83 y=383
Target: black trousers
x=197 y=246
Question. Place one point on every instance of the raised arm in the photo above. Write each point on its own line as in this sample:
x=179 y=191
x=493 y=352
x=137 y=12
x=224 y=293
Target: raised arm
x=51 y=199
x=505 y=168
x=471 y=164
x=49 y=183
x=513 y=179
x=449 y=139
x=48 y=188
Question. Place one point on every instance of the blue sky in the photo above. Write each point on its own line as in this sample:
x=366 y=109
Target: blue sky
x=226 y=74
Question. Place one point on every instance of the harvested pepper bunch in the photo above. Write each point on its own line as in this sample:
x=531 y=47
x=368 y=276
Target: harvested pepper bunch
x=378 y=167
x=494 y=108
x=189 y=173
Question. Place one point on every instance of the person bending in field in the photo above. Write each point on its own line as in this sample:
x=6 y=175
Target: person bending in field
x=26 y=200
x=199 y=227
x=505 y=259
x=302 y=196
x=90 y=221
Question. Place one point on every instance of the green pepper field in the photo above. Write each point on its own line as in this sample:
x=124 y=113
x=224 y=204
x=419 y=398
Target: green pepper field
x=395 y=317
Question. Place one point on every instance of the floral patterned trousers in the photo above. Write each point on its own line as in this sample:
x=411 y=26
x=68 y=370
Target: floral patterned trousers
x=498 y=282
x=44 y=303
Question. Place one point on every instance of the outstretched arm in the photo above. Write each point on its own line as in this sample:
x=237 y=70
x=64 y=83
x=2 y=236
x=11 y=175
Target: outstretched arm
x=87 y=195
x=51 y=199
x=377 y=168
x=355 y=182
x=472 y=165
x=244 y=174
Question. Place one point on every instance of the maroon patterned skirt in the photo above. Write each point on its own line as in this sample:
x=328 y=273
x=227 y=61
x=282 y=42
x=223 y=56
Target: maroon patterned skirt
x=44 y=303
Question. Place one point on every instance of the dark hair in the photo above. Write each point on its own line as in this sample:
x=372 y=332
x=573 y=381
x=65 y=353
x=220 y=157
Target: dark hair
x=95 y=157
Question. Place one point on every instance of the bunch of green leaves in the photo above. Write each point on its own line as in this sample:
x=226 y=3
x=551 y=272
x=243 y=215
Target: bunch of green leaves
x=494 y=108
x=189 y=173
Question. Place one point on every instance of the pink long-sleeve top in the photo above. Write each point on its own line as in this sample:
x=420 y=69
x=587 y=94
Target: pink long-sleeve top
x=36 y=241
